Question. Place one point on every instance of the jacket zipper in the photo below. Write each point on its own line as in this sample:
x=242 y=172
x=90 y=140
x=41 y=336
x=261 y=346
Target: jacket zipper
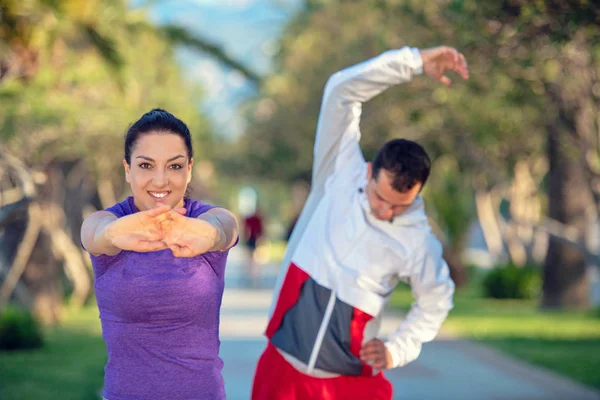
x=321 y=334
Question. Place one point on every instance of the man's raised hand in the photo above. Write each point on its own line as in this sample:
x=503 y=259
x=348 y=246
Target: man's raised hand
x=438 y=60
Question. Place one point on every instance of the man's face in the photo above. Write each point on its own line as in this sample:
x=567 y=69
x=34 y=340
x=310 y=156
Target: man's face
x=384 y=201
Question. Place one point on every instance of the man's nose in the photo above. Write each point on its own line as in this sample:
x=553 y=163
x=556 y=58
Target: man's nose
x=386 y=211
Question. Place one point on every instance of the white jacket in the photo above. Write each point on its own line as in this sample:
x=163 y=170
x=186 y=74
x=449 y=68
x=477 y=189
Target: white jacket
x=342 y=246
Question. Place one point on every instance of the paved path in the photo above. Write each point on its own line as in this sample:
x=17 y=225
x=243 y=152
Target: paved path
x=446 y=370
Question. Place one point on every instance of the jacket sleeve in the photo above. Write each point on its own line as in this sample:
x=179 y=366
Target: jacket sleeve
x=338 y=131
x=433 y=290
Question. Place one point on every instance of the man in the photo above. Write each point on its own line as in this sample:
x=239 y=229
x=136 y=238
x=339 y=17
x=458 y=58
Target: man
x=362 y=230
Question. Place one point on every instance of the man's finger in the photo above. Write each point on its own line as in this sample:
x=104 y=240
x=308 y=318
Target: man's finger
x=372 y=343
x=464 y=67
x=370 y=357
x=375 y=362
x=370 y=352
x=445 y=81
x=454 y=54
x=367 y=348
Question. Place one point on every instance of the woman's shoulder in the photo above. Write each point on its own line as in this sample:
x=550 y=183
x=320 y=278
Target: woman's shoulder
x=123 y=208
x=196 y=207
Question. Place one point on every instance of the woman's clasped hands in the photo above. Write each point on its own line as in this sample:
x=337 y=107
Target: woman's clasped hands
x=163 y=228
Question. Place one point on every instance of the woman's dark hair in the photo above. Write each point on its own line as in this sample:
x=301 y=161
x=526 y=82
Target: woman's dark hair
x=157 y=121
x=406 y=160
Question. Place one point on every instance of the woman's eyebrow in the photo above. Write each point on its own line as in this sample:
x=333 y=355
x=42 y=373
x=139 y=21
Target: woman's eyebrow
x=169 y=160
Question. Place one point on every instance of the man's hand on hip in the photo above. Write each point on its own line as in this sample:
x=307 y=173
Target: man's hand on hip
x=376 y=354
x=438 y=60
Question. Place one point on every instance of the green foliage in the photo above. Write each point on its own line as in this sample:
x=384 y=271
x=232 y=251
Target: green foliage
x=69 y=366
x=565 y=342
x=511 y=282
x=576 y=359
x=451 y=199
x=19 y=330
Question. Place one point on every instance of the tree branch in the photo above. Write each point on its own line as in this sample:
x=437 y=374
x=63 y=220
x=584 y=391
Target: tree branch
x=179 y=35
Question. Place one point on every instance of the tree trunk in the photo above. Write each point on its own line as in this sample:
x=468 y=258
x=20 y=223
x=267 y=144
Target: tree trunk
x=43 y=279
x=13 y=223
x=565 y=283
x=486 y=213
x=458 y=273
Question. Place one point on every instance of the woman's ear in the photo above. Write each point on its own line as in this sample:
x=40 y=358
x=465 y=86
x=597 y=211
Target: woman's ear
x=127 y=170
x=189 y=167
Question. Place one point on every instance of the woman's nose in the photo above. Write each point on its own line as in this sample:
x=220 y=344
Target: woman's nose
x=159 y=179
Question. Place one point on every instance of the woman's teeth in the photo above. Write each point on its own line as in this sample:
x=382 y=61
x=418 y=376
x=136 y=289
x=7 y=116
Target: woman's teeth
x=158 y=195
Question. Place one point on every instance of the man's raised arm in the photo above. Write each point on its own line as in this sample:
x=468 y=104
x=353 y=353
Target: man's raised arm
x=338 y=131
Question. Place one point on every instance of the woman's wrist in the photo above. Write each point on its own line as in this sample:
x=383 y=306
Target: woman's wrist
x=104 y=234
x=219 y=238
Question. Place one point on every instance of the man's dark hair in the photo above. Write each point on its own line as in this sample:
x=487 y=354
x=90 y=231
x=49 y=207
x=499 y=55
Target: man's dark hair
x=405 y=160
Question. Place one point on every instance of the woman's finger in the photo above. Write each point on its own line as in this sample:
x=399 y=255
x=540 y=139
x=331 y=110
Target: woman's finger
x=146 y=246
x=176 y=215
x=175 y=249
x=159 y=209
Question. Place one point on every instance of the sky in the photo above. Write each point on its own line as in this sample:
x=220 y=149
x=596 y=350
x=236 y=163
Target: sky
x=247 y=30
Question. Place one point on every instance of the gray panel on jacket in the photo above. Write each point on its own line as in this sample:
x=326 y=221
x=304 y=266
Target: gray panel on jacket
x=300 y=325
x=335 y=353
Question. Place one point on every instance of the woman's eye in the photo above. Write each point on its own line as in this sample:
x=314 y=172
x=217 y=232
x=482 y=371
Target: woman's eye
x=176 y=166
x=145 y=165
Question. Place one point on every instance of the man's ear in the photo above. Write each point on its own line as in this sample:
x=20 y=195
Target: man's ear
x=127 y=178
x=369 y=169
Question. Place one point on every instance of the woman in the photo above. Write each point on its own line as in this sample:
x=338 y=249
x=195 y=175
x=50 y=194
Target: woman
x=159 y=261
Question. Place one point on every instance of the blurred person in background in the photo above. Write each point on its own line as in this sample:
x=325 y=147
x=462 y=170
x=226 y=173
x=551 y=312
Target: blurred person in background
x=253 y=231
x=158 y=259
x=363 y=229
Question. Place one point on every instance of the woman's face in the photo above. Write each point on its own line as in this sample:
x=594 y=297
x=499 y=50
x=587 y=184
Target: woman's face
x=160 y=170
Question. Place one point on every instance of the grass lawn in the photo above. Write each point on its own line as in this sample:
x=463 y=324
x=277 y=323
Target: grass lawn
x=69 y=366
x=566 y=342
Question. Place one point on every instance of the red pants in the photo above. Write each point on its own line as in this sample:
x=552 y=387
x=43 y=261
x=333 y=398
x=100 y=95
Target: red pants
x=276 y=379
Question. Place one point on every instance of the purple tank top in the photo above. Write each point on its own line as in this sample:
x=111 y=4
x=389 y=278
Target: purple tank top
x=160 y=320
